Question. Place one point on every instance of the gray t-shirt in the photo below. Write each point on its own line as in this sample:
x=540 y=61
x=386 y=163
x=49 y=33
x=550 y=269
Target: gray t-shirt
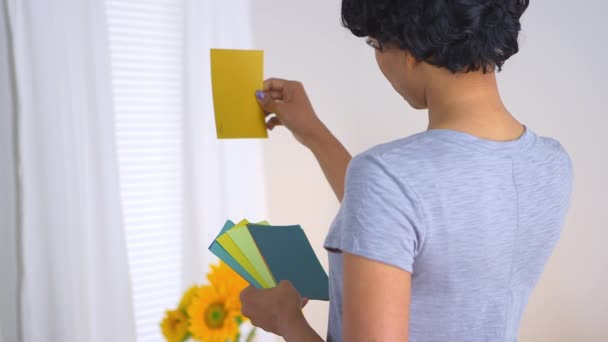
x=473 y=220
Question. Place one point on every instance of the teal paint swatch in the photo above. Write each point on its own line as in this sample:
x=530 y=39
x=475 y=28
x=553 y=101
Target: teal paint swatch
x=289 y=256
x=221 y=253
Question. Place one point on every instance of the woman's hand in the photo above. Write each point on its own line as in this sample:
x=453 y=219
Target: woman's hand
x=288 y=100
x=277 y=310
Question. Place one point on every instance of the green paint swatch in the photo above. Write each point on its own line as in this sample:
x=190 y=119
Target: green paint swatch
x=242 y=238
x=221 y=253
x=231 y=247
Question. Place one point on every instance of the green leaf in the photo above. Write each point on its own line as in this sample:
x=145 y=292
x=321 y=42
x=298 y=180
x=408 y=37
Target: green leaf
x=251 y=335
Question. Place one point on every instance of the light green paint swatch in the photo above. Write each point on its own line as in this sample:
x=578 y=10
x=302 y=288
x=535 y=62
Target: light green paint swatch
x=243 y=239
x=230 y=246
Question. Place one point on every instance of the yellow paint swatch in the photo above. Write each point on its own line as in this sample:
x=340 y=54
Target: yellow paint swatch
x=235 y=76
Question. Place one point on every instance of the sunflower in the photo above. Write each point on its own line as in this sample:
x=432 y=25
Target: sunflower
x=214 y=315
x=222 y=276
x=175 y=326
x=187 y=298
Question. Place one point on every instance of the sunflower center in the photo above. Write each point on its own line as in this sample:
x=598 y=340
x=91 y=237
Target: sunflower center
x=215 y=315
x=173 y=323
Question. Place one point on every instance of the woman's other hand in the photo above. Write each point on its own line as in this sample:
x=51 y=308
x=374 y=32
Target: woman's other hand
x=289 y=102
x=277 y=310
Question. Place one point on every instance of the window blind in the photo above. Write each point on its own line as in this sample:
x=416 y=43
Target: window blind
x=146 y=62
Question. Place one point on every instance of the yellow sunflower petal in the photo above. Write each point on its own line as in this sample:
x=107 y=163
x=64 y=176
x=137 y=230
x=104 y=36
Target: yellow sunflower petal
x=174 y=326
x=187 y=298
x=225 y=279
x=212 y=316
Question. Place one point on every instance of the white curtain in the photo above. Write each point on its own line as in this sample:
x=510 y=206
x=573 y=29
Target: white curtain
x=8 y=219
x=75 y=283
x=225 y=178
x=74 y=277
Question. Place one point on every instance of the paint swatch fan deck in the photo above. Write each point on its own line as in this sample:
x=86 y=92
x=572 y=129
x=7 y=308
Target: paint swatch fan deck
x=264 y=255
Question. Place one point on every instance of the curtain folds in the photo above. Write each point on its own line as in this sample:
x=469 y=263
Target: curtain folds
x=75 y=280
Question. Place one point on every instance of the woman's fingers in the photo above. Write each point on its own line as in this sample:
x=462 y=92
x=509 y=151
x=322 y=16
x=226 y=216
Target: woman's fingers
x=275 y=94
x=275 y=84
x=268 y=103
x=273 y=122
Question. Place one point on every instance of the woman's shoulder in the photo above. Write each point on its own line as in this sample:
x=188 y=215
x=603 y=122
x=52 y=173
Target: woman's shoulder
x=395 y=153
x=381 y=161
x=407 y=144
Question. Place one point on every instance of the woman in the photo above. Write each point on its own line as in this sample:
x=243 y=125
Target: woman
x=441 y=236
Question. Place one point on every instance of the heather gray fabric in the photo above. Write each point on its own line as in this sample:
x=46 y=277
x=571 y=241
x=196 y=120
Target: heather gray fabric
x=473 y=220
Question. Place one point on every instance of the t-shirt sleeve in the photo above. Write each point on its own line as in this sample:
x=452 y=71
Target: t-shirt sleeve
x=379 y=218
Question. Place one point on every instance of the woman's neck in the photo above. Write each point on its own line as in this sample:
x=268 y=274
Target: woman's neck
x=470 y=103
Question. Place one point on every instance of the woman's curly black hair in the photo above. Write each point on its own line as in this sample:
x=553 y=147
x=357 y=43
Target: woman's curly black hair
x=460 y=35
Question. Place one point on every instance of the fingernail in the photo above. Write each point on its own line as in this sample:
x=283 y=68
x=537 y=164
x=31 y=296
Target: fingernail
x=259 y=94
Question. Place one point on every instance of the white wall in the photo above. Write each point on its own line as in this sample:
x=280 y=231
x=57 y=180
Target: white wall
x=555 y=86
